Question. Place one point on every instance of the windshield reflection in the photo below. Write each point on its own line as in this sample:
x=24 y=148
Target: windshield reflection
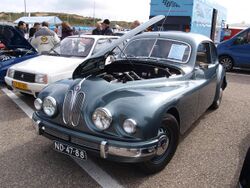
x=79 y=47
x=165 y=49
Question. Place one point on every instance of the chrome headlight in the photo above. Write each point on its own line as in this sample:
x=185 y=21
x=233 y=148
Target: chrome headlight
x=10 y=73
x=49 y=106
x=41 y=78
x=38 y=104
x=102 y=118
x=129 y=126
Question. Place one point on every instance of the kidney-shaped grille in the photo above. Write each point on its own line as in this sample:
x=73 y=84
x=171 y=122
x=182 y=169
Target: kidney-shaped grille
x=67 y=107
x=72 y=105
x=76 y=110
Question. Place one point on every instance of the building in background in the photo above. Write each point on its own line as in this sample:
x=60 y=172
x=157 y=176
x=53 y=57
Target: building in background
x=199 y=16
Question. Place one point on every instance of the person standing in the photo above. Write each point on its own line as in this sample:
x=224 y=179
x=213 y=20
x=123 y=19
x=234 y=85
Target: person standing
x=21 y=28
x=66 y=30
x=98 y=29
x=44 y=39
x=135 y=24
x=105 y=28
x=34 y=29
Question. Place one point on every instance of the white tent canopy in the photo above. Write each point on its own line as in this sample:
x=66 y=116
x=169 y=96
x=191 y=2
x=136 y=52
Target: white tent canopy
x=53 y=20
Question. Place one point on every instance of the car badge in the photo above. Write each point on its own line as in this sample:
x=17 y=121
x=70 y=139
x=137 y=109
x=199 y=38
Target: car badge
x=77 y=88
x=22 y=75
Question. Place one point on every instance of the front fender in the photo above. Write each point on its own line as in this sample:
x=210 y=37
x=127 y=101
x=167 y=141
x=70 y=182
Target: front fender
x=147 y=111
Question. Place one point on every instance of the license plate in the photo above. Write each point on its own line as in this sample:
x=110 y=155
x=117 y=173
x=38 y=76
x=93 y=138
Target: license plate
x=69 y=150
x=20 y=85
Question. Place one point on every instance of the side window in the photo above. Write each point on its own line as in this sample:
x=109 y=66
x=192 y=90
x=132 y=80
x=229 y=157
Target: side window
x=214 y=55
x=203 y=54
x=243 y=38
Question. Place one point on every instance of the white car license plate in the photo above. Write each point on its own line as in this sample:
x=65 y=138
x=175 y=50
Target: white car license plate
x=69 y=150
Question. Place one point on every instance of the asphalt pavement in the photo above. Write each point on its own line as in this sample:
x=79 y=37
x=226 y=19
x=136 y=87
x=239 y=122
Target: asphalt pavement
x=210 y=154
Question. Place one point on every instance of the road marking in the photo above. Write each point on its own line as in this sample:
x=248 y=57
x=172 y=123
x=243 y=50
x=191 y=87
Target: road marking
x=237 y=74
x=100 y=176
x=27 y=110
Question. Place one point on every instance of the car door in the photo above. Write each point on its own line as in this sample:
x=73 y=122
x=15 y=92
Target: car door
x=240 y=49
x=206 y=67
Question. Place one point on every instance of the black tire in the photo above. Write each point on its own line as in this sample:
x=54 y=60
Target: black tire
x=227 y=62
x=170 y=129
x=216 y=104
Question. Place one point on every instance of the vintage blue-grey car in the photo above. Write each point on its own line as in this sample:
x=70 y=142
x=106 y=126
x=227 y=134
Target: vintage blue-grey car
x=135 y=108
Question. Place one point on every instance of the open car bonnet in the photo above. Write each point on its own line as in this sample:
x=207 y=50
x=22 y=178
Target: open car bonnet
x=12 y=39
x=97 y=61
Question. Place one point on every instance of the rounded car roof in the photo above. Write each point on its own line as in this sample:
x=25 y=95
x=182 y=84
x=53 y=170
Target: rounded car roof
x=175 y=35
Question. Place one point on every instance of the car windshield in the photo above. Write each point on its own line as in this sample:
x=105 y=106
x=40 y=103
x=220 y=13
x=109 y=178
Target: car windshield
x=73 y=46
x=166 y=49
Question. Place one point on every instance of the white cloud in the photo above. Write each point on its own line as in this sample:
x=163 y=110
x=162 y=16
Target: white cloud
x=127 y=10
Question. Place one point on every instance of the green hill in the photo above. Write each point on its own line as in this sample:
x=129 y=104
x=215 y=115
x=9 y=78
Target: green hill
x=72 y=19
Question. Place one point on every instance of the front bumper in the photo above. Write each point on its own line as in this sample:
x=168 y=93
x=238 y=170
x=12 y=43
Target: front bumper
x=33 y=88
x=114 y=150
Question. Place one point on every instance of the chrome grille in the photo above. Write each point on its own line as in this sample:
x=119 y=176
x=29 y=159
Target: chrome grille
x=72 y=105
x=76 y=109
x=67 y=107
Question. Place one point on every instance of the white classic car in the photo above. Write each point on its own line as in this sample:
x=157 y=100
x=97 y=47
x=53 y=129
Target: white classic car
x=32 y=75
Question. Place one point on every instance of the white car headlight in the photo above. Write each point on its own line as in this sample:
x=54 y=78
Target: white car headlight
x=129 y=126
x=102 y=118
x=10 y=73
x=41 y=78
x=38 y=104
x=49 y=106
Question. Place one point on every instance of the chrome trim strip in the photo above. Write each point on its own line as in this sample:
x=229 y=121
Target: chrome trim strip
x=104 y=149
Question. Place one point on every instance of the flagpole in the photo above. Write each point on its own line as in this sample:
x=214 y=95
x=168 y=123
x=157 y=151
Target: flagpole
x=94 y=13
x=25 y=13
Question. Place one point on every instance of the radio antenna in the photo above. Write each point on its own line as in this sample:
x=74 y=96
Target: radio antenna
x=161 y=28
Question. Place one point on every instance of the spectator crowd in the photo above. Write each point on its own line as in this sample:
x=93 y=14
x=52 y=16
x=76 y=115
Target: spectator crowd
x=44 y=39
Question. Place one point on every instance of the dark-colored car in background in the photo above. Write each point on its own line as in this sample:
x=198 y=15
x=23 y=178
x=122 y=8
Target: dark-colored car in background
x=235 y=52
x=134 y=109
x=15 y=49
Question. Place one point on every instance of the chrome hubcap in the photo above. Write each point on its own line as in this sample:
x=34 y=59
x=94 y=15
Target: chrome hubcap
x=163 y=143
x=227 y=63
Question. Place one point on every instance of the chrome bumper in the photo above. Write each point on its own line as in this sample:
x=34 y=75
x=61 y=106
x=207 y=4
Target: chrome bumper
x=106 y=149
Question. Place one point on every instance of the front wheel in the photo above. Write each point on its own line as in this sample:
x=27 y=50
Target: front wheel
x=168 y=135
x=227 y=62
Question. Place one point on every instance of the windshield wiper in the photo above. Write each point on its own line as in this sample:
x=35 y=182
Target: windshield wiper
x=28 y=51
x=53 y=50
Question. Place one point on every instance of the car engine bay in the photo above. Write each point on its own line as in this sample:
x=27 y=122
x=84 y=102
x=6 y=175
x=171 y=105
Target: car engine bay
x=121 y=71
x=11 y=54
